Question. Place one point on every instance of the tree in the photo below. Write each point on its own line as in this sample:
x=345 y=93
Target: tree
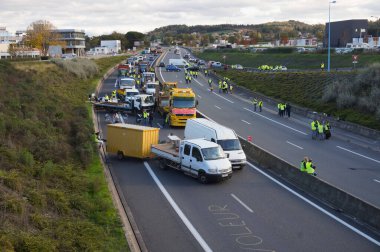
x=133 y=36
x=40 y=34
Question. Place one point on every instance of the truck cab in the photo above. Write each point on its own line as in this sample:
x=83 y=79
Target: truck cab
x=143 y=102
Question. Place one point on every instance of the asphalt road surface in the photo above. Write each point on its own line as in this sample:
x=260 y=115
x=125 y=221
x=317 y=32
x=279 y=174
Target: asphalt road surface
x=252 y=211
x=353 y=168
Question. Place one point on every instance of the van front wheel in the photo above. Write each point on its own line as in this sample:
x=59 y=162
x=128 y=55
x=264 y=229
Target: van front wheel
x=202 y=177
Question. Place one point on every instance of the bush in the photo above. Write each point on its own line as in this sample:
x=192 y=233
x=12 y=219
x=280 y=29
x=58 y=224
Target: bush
x=82 y=68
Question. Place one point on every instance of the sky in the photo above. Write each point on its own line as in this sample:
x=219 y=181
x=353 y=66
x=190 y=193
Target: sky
x=103 y=17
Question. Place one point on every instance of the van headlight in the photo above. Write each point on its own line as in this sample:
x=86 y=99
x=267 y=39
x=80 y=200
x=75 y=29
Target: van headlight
x=212 y=170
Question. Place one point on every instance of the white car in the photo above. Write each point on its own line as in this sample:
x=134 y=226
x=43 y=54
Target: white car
x=216 y=64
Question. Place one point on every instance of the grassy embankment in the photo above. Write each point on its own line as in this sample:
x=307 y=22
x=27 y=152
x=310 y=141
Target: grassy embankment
x=290 y=60
x=304 y=89
x=53 y=194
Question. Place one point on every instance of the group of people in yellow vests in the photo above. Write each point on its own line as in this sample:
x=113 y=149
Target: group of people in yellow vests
x=307 y=166
x=320 y=130
x=224 y=86
x=284 y=109
x=257 y=102
x=269 y=68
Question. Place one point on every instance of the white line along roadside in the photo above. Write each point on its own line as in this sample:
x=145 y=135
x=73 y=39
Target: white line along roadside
x=295 y=145
x=361 y=155
x=241 y=202
x=378 y=181
x=246 y=122
x=171 y=201
x=303 y=133
x=316 y=206
x=197 y=82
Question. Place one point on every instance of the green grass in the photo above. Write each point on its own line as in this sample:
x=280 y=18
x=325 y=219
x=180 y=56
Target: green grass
x=290 y=60
x=303 y=89
x=53 y=194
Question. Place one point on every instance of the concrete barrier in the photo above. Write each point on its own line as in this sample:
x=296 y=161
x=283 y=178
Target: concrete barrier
x=323 y=191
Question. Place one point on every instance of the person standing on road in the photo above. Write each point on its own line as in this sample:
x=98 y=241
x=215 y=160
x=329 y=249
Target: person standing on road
x=288 y=109
x=279 y=108
x=231 y=87
x=220 y=86
x=209 y=82
x=260 y=106
x=314 y=125
x=322 y=66
x=327 y=130
x=320 y=131
x=254 y=104
x=282 y=108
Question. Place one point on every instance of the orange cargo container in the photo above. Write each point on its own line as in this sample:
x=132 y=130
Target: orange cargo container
x=129 y=140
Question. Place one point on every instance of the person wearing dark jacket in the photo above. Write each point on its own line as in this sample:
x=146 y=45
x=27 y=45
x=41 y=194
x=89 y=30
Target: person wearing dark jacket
x=288 y=109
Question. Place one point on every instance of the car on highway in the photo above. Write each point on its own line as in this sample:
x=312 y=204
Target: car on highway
x=172 y=68
x=192 y=68
x=201 y=63
x=194 y=60
x=162 y=64
x=186 y=56
x=237 y=66
x=217 y=64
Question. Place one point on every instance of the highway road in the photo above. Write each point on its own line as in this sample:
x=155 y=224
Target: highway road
x=348 y=166
x=252 y=211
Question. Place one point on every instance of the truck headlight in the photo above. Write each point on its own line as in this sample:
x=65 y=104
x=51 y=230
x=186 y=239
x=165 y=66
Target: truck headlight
x=212 y=170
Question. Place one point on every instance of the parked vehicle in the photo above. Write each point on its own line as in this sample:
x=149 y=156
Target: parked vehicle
x=193 y=68
x=151 y=88
x=214 y=132
x=216 y=64
x=178 y=62
x=198 y=158
x=129 y=140
x=171 y=68
x=126 y=82
x=201 y=63
x=194 y=60
x=142 y=102
x=162 y=64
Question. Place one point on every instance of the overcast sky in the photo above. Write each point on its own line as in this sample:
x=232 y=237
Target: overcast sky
x=102 y=17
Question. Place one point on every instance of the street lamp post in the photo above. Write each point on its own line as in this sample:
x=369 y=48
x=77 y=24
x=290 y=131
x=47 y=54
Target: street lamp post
x=328 y=50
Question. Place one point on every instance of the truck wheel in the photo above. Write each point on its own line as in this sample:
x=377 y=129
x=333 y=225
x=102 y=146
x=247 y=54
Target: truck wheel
x=163 y=164
x=120 y=155
x=202 y=177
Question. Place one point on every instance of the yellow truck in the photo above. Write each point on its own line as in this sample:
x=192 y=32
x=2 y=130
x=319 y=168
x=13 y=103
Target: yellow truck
x=182 y=106
x=163 y=97
x=129 y=140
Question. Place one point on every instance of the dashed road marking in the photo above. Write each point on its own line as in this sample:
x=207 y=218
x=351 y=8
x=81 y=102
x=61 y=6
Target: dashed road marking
x=223 y=97
x=378 y=181
x=361 y=155
x=303 y=133
x=217 y=107
x=246 y=122
x=299 y=147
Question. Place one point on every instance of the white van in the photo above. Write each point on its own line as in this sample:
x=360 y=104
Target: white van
x=225 y=137
x=178 y=62
x=151 y=88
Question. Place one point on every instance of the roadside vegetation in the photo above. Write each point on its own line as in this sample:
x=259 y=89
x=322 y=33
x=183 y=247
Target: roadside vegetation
x=53 y=194
x=351 y=96
x=290 y=60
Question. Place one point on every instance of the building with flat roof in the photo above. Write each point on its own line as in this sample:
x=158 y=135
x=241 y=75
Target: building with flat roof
x=342 y=32
x=74 y=41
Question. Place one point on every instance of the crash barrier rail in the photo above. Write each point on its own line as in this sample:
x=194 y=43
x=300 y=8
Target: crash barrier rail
x=330 y=195
x=334 y=122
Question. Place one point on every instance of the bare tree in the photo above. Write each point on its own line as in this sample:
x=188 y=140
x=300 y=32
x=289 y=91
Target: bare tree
x=41 y=34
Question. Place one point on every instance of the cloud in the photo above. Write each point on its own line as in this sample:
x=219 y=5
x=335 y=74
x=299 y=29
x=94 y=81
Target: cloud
x=100 y=17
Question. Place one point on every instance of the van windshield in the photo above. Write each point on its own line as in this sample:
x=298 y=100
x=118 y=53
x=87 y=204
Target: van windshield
x=213 y=153
x=230 y=144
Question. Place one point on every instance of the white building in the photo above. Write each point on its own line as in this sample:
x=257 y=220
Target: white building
x=99 y=50
x=114 y=46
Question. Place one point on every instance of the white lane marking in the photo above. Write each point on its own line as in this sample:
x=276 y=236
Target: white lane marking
x=197 y=81
x=299 y=147
x=200 y=96
x=378 y=181
x=223 y=97
x=246 y=122
x=241 y=202
x=353 y=152
x=217 y=107
x=183 y=217
x=303 y=133
x=316 y=206
x=162 y=77
x=159 y=125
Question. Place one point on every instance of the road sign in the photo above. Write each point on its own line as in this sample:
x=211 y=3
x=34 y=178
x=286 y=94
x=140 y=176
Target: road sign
x=355 y=59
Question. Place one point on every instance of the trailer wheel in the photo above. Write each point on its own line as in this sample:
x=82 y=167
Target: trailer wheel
x=202 y=177
x=120 y=155
x=163 y=164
